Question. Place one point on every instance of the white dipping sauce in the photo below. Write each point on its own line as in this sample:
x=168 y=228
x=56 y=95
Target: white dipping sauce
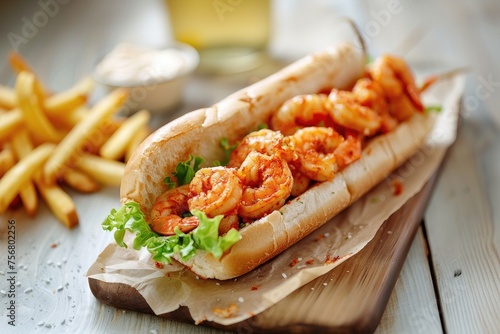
x=129 y=64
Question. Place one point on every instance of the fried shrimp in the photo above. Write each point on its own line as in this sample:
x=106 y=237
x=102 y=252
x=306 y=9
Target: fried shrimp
x=301 y=111
x=300 y=181
x=264 y=141
x=167 y=212
x=215 y=191
x=267 y=183
x=349 y=113
x=396 y=79
x=401 y=108
x=315 y=147
x=370 y=94
x=349 y=150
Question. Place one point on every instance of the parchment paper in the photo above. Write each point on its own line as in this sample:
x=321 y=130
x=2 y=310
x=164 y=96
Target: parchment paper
x=232 y=301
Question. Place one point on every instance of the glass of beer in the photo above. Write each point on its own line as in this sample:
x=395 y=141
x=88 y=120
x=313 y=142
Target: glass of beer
x=230 y=35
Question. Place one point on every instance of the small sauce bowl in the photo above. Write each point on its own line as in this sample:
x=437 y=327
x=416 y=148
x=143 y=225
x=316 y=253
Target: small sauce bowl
x=156 y=77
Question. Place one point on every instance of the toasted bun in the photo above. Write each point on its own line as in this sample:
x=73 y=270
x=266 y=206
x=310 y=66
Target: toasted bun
x=199 y=133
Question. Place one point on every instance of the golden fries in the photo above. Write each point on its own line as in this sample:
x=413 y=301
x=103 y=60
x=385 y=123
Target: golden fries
x=17 y=176
x=7 y=98
x=71 y=144
x=29 y=198
x=115 y=147
x=51 y=139
x=22 y=146
x=19 y=64
x=105 y=171
x=59 y=202
x=80 y=182
x=7 y=160
x=36 y=121
x=69 y=119
x=9 y=123
x=136 y=140
x=100 y=135
x=59 y=104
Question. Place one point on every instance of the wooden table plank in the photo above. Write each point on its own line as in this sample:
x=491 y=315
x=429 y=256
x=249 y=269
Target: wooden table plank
x=463 y=223
x=412 y=306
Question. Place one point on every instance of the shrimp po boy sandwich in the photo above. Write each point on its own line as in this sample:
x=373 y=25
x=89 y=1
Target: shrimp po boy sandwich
x=226 y=188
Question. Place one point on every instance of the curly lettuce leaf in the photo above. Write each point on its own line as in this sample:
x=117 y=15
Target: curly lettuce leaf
x=184 y=172
x=205 y=237
x=128 y=217
x=227 y=149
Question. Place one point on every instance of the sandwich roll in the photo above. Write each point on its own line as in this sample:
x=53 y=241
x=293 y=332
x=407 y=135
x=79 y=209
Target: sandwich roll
x=335 y=129
x=201 y=130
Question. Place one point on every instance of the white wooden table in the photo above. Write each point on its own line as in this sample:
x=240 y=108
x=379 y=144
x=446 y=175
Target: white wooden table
x=451 y=279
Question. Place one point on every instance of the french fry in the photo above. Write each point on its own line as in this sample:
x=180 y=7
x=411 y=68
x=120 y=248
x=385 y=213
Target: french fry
x=29 y=198
x=36 y=121
x=60 y=103
x=136 y=140
x=22 y=146
x=8 y=98
x=108 y=172
x=59 y=202
x=9 y=123
x=7 y=160
x=100 y=135
x=72 y=143
x=17 y=176
x=47 y=139
x=115 y=147
x=70 y=118
x=80 y=181
x=19 y=64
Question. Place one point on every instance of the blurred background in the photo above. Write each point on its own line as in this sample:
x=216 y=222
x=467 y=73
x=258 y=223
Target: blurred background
x=64 y=39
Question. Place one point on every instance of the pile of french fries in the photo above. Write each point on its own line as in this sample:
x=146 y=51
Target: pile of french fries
x=52 y=142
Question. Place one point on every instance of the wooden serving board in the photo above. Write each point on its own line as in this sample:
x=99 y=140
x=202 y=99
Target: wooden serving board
x=349 y=299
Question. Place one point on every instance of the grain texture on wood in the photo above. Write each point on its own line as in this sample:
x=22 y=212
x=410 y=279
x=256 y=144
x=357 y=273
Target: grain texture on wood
x=414 y=284
x=463 y=231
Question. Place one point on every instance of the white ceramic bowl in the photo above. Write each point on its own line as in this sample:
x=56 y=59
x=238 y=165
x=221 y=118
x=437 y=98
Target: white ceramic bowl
x=161 y=89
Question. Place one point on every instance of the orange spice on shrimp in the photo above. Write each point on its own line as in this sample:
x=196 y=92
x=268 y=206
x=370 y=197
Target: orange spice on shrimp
x=302 y=111
x=217 y=191
x=267 y=184
x=349 y=113
x=398 y=84
x=167 y=212
x=369 y=93
x=315 y=147
x=264 y=141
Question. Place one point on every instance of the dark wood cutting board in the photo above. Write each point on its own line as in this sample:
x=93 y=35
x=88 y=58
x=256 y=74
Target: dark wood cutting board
x=349 y=299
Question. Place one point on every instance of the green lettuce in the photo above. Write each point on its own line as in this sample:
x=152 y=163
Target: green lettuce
x=429 y=109
x=205 y=237
x=184 y=172
x=227 y=149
